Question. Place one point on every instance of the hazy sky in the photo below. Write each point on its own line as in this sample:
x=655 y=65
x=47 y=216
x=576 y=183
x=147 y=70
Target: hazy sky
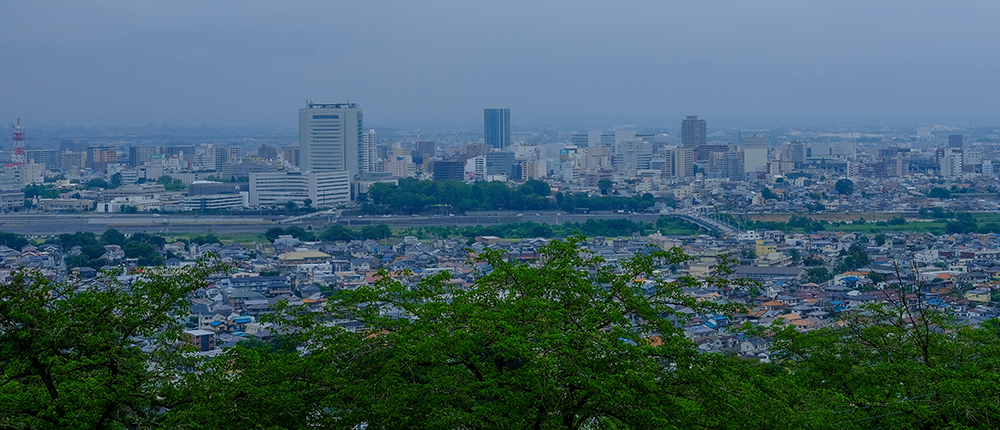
x=431 y=63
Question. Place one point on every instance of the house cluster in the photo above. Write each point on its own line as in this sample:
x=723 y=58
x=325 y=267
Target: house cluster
x=43 y=258
x=869 y=194
x=810 y=287
x=957 y=274
x=306 y=274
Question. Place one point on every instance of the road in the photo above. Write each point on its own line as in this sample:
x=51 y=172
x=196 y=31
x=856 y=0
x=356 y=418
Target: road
x=710 y=223
x=41 y=224
x=489 y=218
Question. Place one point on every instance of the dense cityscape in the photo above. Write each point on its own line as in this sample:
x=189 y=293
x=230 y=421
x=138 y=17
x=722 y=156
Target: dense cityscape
x=789 y=228
x=927 y=194
x=499 y=215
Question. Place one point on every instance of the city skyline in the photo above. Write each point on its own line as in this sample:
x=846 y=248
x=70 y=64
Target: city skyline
x=779 y=62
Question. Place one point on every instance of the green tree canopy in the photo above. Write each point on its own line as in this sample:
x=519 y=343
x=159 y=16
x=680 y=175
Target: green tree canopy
x=413 y=196
x=567 y=341
x=154 y=240
x=113 y=237
x=380 y=231
x=819 y=275
x=13 y=241
x=898 y=364
x=294 y=231
x=144 y=252
x=45 y=192
x=95 y=356
x=572 y=342
x=170 y=183
x=845 y=187
x=337 y=232
x=98 y=183
x=939 y=193
x=605 y=186
x=767 y=194
x=205 y=239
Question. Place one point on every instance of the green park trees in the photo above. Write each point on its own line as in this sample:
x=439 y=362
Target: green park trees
x=414 y=196
x=171 y=183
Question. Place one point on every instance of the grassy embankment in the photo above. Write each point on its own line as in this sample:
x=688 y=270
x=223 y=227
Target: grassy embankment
x=874 y=223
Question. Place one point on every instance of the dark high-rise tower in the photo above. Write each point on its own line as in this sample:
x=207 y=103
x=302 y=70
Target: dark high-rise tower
x=424 y=148
x=693 y=132
x=956 y=141
x=496 y=127
x=137 y=155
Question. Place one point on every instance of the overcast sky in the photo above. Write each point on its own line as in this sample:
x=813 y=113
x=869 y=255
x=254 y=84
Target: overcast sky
x=434 y=63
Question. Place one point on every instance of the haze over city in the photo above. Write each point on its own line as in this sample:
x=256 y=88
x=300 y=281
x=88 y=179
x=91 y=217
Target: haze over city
x=578 y=215
x=429 y=64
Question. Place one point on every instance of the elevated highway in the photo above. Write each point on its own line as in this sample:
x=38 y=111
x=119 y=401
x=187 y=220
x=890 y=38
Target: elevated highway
x=710 y=224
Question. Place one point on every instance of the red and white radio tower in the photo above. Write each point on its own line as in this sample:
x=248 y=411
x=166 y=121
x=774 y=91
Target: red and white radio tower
x=18 y=158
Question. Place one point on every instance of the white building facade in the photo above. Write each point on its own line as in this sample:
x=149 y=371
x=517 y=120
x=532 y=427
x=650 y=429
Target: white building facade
x=330 y=137
x=369 y=154
x=755 y=150
x=323 y=189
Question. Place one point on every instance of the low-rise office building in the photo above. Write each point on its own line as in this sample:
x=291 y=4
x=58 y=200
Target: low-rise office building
x=216 y=201
x=120 y=204
x=80 y=205
x=322 y=189
x=11 y=200
x=135 y=190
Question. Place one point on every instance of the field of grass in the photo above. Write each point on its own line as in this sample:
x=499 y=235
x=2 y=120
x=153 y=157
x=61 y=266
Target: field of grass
x=934 y=227
x=831 y=217
x=226 y=238
x=839 y=222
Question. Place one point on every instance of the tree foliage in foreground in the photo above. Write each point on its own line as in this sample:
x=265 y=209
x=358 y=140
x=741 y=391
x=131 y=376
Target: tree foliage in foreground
x=93 y=355
x=899 y=364
x=564 y=342
x=568 y=343
x=573 y=343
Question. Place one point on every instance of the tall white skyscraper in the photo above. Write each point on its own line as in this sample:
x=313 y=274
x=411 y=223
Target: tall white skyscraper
x=369 y=157
x=755 y=152
x=951 y=163
x=330 y=137
x=679 y=161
